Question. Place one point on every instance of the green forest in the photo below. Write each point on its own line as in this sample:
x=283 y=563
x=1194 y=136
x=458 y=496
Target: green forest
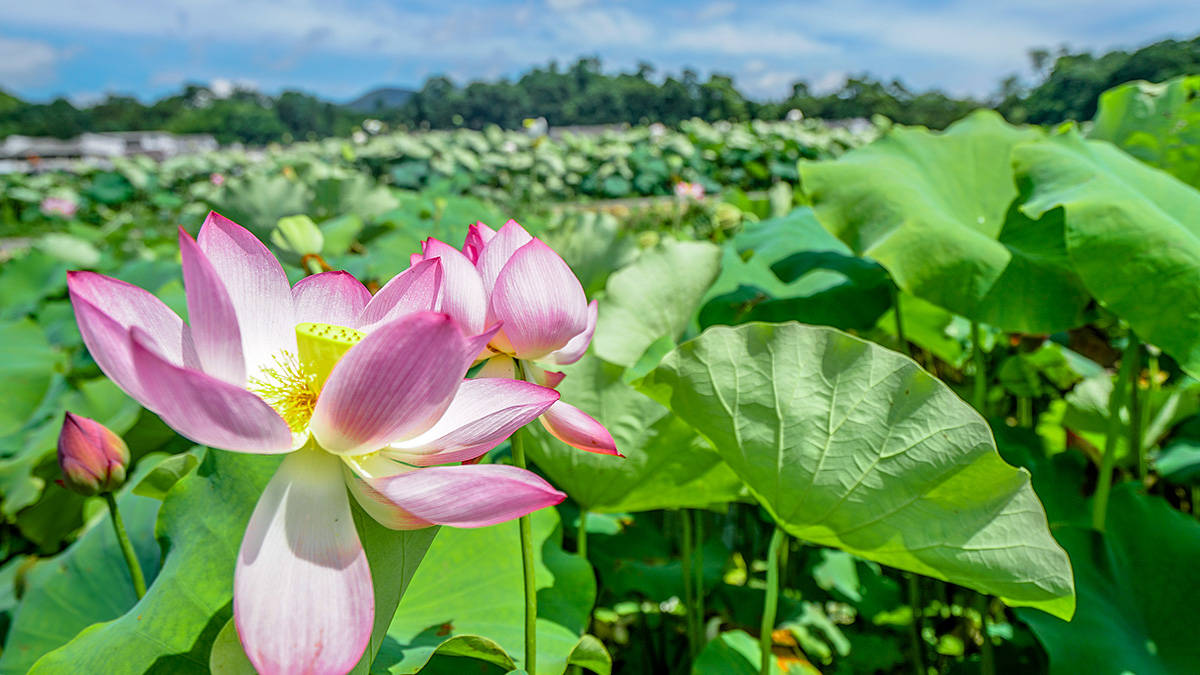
x=1068 y=87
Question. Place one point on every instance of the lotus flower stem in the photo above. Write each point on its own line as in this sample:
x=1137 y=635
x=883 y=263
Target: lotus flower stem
x=518 y=455
x=980 y=397
x=1152 y=372
x=987 y=656
x=689 y=603
x=581 y=551
x=135 y=568
x=1025 y=411
x=699 y=585
x=904 y=349
x=581 y=535
x=1128 y=366
x=987 y=659
x=313 y=265
x=1135 y=409
x=916 y=627
x=772 y=603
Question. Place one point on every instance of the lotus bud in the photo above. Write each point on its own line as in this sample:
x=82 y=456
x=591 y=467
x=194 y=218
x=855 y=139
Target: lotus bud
x=93 y=459
x=299 y=242
x=298 y=235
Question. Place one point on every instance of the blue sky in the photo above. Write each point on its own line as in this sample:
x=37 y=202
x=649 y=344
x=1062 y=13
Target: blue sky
x=341 y=48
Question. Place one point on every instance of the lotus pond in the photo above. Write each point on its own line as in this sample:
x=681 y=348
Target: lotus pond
x=757 y=398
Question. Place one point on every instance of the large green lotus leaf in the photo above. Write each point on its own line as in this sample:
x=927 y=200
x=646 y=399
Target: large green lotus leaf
x=941 y=333
x=29 y=279
x=1139 y=603
x=791 y=268
x=593 y=244
x=257 y=201
x=733 y=652
x=851 y=445
x=88 y=582
x=933 y=208
x=1132 y=232
x=653 y=297
x=467 y=600
x=28 y=366
x=358 y=194
x=1157 y=123
x=200 y=526
x=666 y=465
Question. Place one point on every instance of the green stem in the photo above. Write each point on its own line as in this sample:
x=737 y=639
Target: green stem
x=772 y=602
x=1152 y=373
x=581 y=535
x=1135 y=409
x=581 y=551
x=917 y=626
x=135 y=568
x=1115 y=402
x=899 y=322
x=518 y=455
x=698 y=587
x=980 y=397
x=689 y=605
x=1025 y=411
x=988 y=659
x=313 y=266
x=987 y=655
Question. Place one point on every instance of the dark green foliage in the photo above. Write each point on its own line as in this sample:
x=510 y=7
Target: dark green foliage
x=1073 y=87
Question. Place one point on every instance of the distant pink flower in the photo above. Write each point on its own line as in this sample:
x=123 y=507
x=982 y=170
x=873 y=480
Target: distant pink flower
x=58 y=206
x=91 y=457
x=685 y=190
x=216 y=179
x=512 y=279
x=359 y=389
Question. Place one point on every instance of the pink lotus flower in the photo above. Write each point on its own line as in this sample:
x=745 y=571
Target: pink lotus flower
x=360 y=390
x=58 y=206
x=685 y=190
x=216 y=179
x=511 y=279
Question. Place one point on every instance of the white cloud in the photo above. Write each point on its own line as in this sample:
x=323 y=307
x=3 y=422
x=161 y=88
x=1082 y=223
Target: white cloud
x=25 y=62
x=960 y=45
x=716 y=10
x=828 y=82
x=730 y=38
x=349 y=28
x=223 y=87
x=591 y=28
x=769 y=84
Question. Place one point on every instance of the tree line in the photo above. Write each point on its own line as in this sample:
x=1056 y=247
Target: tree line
x=582 y=93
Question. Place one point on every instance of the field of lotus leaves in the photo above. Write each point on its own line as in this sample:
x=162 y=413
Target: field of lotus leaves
x=822 y=400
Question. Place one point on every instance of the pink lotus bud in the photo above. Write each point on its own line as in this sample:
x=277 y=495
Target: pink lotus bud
x=91 y=456
x=478 y=235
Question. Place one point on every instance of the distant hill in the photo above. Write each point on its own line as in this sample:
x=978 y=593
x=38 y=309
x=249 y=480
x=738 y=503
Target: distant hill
x=384 y=98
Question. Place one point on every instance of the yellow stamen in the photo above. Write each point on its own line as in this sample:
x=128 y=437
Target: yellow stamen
x=287 y=389
x=291 y=385
x=321 y=345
